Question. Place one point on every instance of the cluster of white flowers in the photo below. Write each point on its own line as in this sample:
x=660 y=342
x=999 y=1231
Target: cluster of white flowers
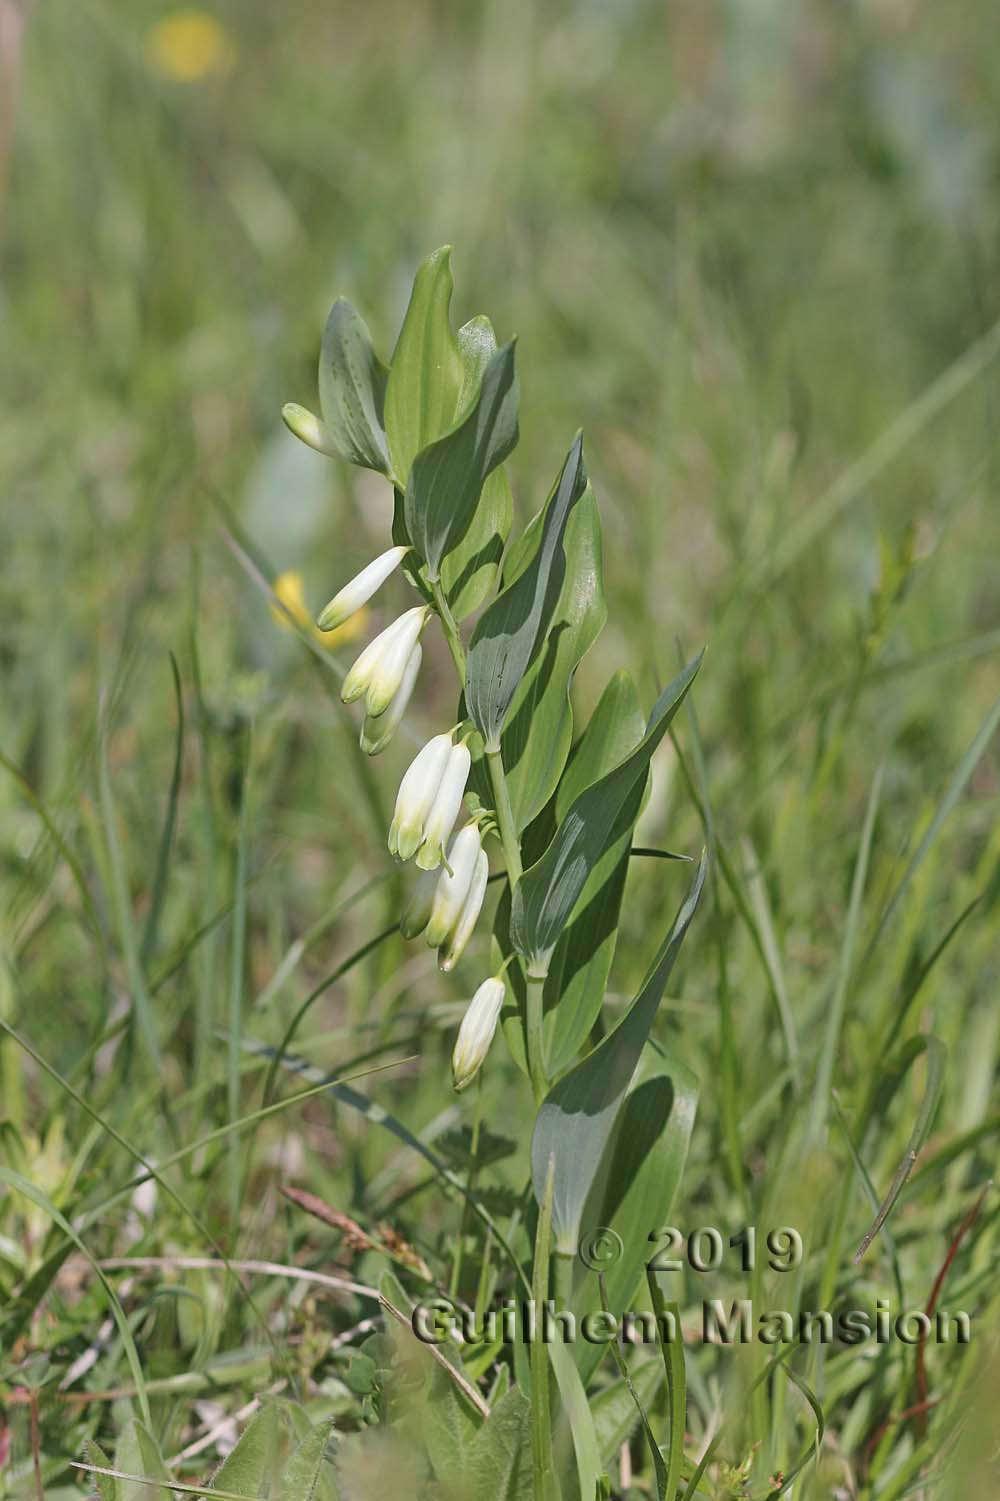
x=445 y=903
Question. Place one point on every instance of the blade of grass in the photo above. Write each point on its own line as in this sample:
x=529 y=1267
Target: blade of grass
x=835 y=1011
x=871 y=1195
x=236 y=984
x=676 y=1372
x=148 y=946
x=936 y=1057
x=541 y=1416
x=659 y=1467
x=125 y=916
x=729 y=1110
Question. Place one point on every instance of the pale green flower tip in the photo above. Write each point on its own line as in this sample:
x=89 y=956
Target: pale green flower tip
x=352 y=687
x=429 y=856
x=331 y=616
x=308 y=428
x=378 y=699
x=408 y=841
x=374 y=744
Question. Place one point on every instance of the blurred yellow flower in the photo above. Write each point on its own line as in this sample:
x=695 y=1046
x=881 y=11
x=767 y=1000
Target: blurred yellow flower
x=288 y=588
x=188 y=45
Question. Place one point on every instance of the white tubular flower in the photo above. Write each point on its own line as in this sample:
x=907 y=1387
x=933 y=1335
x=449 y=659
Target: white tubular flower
x=451 y=951
x=376 y=733
x=476 y=1032
x=307 y=427
x=418 y=908
x=453 y=886
x=379 y=670
x=416 y=795
x=360 y=589
x=445 y=808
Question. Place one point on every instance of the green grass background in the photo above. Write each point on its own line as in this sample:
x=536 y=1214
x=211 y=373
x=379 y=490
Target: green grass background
x=752 y=249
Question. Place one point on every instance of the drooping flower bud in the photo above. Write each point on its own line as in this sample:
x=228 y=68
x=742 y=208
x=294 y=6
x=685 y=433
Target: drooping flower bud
x=308 y=427
x=445 y=808
x=415 y=797
x=453 y=946
x=476 y=1032
x=376 y=733
x=418 y=907
x=453 y=886
x=379 y=670
x=360 y=588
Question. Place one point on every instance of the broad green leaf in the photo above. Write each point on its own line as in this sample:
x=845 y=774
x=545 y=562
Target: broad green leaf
x=309 y=1474
x=615 y=1415
x=634 y=1192
x=498 y=1466
x=547 y=893
x=252 y=1468
x=577 y=1117
x=427 y=372
x=579 y=969
x=515 y=625
x=447 y=477
x=352 y=385
x=137 y=1453
x=468 y=573
x=447 y=1423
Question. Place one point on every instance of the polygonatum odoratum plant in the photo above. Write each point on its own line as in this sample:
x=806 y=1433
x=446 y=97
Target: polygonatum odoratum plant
x=513 y=783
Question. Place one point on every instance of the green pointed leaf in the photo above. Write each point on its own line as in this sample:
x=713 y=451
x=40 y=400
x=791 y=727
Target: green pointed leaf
x=253 y=1467
x=106 y=1485
x=634 y=1191
x=576 y=1409
x=510 y=632
x=309 y=1474
x=448 y=476
x=577 y=1117
x=580 y=965
x=137 y=1453
x=427 y=371
x=676 y=1373
x=538 y=735
x=547 y=893
x=352 y=386
x=469 y=572
x=498 y=1465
